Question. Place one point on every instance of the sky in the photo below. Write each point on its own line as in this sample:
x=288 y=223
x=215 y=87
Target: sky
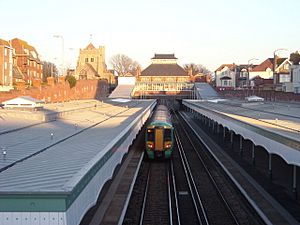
x=207 y=32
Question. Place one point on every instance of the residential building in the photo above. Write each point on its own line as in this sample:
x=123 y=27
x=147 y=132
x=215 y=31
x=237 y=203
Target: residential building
x=295 y=78
x=6 y=66
x=27 y=60
x=242 y=75
x=225 y=77
x=265 y=71
x=91 y=64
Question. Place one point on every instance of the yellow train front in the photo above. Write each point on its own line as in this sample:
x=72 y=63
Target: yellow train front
x=160 y=134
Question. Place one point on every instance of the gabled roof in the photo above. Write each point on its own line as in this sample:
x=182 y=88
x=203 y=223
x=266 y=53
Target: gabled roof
x=25 y=44
x=4 y=42
x=90 y=47
x=268 y=63
x=164 y=56
x=164 y=70
x=230 y=66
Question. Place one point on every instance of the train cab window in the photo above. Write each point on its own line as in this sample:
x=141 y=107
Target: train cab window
x=150 y=134
x=167 y=134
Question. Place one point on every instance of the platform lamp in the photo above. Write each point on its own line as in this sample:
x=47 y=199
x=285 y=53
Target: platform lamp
x=62 y=51
x=248 y=70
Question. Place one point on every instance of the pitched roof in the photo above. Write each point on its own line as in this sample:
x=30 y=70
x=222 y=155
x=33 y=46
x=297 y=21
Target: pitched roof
x=90 y=47
x=164 y=56
x=4 y=42
x=164 y=70
x=230 y=66
x=25 y=44
x=268 y=63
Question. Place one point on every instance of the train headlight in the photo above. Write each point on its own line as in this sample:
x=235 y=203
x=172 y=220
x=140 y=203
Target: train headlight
x=150 y=145
x=168 y=145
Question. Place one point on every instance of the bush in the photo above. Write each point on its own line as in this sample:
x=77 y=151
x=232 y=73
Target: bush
x=71 y=80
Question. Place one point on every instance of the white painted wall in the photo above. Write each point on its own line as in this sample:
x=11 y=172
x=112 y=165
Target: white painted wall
x=126 y=80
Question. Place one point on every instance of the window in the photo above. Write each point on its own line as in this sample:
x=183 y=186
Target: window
x=167 y=134
x=86 y=59
x=5 y=65
x=92 y=59
x=150 y=134
x=5 y=52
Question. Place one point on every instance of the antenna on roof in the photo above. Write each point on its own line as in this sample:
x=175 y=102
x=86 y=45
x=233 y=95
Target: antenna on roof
x=91 y=38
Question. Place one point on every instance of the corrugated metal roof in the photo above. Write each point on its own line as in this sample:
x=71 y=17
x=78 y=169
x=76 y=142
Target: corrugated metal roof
x=60 y=167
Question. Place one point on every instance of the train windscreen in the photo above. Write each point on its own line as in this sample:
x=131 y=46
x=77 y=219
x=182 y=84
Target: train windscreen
x=150 y=134
x=167 y=135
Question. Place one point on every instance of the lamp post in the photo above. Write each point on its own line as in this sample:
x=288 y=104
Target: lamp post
x=248 y=78
x=62 y=51
x=274 y=64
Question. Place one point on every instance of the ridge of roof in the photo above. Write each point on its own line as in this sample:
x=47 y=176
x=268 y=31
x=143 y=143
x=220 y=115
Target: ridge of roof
x=90 y=47
x=164 y=56
x=4 y=42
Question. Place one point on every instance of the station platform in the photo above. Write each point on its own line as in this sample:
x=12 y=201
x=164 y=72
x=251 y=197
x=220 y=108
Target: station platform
x=52 y=172
x=276 y=127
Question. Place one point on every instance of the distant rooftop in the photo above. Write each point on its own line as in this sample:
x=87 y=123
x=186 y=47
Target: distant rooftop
x=164 y=56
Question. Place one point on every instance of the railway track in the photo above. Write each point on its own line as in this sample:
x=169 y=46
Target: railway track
x=152 y=198
x=216 y=200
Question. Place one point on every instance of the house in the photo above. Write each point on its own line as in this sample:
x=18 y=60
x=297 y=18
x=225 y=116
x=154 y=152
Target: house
x=265 y=71
x=225 y=77
x=26 y=59
x=242 y=75
x=295 y=78
x=6 y=66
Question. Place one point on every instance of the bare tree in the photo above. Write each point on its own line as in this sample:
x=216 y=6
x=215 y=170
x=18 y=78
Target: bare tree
x=295 y=58
x=123 y=65
x=49 y=70
x=196 y=68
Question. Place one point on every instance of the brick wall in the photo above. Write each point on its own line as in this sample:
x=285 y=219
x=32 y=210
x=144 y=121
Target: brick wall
x=268 y=95
x=84 y=89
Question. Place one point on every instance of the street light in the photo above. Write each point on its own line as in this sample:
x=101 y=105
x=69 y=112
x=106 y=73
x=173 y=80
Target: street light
x=248 y=79
x=274 y=63
x=62 y=52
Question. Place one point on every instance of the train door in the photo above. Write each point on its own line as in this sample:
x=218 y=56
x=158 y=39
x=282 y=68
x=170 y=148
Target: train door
x=159 y=139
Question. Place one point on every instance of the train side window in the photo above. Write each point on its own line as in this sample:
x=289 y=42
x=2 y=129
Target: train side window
x=167 y=134
x=150 y=134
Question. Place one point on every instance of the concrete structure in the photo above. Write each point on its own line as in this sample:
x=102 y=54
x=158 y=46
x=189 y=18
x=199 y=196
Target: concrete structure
x=205 y=91
x=27 y=61
x=6 y=66
x=91 y=64
x=276 y=128
x=125 y=87
x=67 y=162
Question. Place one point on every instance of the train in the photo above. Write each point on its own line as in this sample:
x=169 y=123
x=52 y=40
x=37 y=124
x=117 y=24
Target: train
x=159 y=137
